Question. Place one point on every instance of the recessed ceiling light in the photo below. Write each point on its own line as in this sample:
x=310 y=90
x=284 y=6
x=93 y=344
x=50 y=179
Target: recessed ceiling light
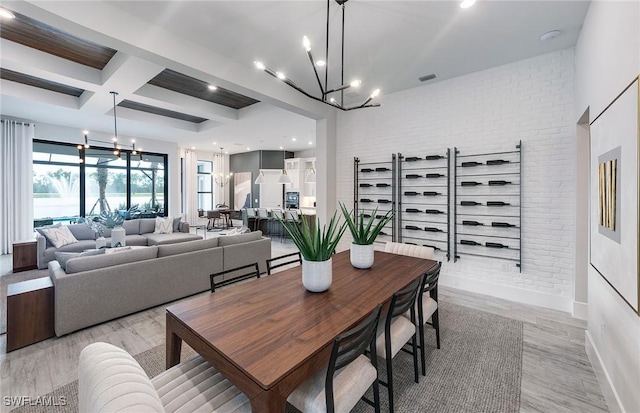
x=193 y=147
x=293 y=139
x=248 y=148
x=226 y=151
x=212 y=87
x=281 y=147
x=310 y=143
x=215 y=143
x=6 y=14
x=548 y=36
x=467 y=3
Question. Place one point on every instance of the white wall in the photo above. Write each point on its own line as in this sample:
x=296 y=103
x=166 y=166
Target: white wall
x=58 y=133
x=607 y=60
x=531 y=100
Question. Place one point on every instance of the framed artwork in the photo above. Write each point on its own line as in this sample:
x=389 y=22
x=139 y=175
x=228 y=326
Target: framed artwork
x=614 y=223
x=241 y=190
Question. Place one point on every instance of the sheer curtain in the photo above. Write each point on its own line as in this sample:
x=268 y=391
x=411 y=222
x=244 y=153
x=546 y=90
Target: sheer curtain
x=16 y=183
x=191 y=186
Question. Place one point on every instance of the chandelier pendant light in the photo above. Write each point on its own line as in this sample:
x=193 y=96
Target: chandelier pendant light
x=284 y=178
x=221 y=179
x=327 y=95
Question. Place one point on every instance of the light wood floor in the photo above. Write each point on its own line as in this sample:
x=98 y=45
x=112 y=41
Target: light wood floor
x=556 y=373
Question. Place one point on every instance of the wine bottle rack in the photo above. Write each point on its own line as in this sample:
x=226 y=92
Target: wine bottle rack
x=488 y=205
x=424 y=201
x=374 y=188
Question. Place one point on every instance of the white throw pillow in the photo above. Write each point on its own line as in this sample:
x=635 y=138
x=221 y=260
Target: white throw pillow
x=164 y=226
x=117 y=250
x=59 y=237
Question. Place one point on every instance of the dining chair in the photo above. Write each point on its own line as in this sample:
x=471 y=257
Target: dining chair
x=427 y=308
x=287 y=258
x=234 y=275
x=339 y=385
x=263 y=216
x=410 y=250
x=212 y=216
x=110 y=380
x=278 y=216
x=398 y=331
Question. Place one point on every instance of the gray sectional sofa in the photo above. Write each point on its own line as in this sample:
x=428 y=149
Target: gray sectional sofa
x=139 y=232
x=95 y=289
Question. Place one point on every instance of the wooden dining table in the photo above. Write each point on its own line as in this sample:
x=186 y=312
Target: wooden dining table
x=269 y=335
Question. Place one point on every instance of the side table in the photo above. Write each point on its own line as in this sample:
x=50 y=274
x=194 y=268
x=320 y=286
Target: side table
x=25 y=256
x=29 y=312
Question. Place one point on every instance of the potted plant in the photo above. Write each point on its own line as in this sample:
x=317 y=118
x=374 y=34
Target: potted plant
x=316 y=246
x=364 y=234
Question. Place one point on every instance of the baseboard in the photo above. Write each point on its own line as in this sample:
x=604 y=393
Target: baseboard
x=580 y=310
x=609 y=392
x=554 y=302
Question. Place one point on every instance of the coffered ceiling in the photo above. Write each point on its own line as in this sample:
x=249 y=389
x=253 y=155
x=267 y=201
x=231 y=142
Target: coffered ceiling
x=61 y=59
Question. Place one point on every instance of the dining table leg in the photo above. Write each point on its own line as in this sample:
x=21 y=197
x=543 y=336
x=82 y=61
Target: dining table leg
x=174 y=345
x=268 y=402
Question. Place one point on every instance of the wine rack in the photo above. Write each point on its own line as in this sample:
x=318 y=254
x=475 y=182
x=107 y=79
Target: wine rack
x=374 y=192
x=488 y=205
x=424 y=201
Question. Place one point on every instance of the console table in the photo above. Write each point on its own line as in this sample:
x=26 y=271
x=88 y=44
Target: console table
x=29 y=312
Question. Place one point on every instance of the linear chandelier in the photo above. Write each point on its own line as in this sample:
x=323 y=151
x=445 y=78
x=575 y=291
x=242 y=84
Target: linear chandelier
x=326 y=93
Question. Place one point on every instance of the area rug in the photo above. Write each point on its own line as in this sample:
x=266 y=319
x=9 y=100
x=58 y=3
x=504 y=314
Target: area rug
x=10 y=278
x=478 y=369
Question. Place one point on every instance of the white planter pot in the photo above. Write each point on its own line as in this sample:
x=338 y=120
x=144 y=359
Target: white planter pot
x=101 y=242
x=118 y=237
x=316 y=275
x=361 y=256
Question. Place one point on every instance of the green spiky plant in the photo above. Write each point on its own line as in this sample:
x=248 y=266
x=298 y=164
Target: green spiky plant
x=365 y=233
x=315 y=244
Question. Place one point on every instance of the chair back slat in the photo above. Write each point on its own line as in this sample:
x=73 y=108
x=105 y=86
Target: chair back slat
x=431 y=278
x=351 y=344
x=288 y=260
x=403 y=300
x=263 y=213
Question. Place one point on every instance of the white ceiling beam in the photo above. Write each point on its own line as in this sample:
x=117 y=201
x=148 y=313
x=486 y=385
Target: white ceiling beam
x=22 y=91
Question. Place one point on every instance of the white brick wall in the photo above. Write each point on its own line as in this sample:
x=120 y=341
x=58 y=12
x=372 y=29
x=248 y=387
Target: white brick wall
x=531 y=100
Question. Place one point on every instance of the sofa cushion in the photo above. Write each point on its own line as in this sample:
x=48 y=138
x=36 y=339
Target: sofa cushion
x=131 y=227
x=147 y=225
x=239 y=239
x=82 y=264
x=159 y=239
x=163 y=226
x=59 y=237
x=182 y=247
x=82 y=231
x=63 y=257
x=48 y=244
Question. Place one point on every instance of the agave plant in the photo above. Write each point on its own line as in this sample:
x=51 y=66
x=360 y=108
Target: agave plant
x=315 y=244
x=365 y=233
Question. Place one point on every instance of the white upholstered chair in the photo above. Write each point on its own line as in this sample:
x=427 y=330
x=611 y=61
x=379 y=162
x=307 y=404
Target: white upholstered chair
x=110 y=380
x=426 y=304
x=338 y=386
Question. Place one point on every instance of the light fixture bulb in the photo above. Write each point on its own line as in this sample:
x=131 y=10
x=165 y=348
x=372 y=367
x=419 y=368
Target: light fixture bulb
x=467 y=3
x=81 y=160
x=259 y=65
x=281 y=75
x=6 y=14
x=375 y=93
x=306 y=43
x=79 y=146
x=115 y=152
x=115 y=139
x=355 y=83
x=332 y=100
x=320 y=63
x=212 y=87
x=86 y=146
x=86 y=132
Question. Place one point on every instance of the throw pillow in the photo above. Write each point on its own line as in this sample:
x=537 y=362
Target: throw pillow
x=58 y=225
x=59 y=237
x=176 y=224
x=164 y=225
x=117 y=250
x=63 y=257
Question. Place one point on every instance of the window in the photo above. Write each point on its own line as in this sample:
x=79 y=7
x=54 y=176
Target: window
x=205 y=185
x=56 y=182
x=64 y=187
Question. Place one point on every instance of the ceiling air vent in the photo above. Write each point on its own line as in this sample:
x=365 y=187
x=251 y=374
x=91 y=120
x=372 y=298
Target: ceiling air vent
x=427 y=77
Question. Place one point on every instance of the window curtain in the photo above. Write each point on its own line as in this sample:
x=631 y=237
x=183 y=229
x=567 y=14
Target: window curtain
x=16 y=183
x=191 y=186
